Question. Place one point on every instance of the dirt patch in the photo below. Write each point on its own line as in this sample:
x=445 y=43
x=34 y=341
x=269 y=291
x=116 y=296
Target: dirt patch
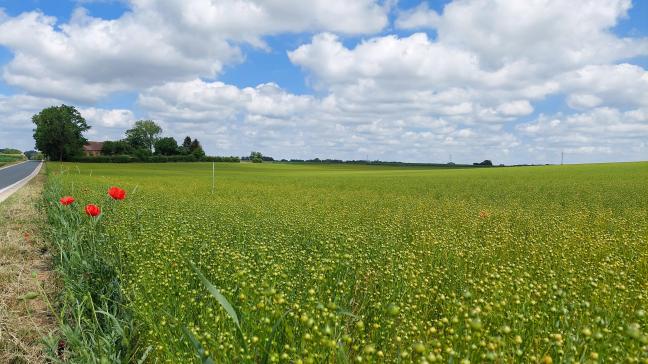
x=26 y=279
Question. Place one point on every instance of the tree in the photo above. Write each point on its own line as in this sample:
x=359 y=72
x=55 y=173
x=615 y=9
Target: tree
x=166 y=146
x=196 y=149
x=30 y=153
x=10 y=151
x=195 y=144
x=186 y=145
x=143 y=135
x=256 y=157
x=59 y=132
x=119 y=147
x=486 y=162
x=199 y=153
x=33 y=155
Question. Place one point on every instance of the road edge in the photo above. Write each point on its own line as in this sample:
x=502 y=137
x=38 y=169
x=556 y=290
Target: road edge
x=11 y=189
x=11 y=164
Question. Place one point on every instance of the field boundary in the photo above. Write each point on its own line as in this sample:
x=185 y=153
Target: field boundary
x=27 y=282
x=11 y=164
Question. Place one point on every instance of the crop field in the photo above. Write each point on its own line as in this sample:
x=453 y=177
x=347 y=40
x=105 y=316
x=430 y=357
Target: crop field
x=379 y=264
x=10 y=158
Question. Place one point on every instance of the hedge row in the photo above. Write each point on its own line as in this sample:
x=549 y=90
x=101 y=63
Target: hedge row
x=153 y=159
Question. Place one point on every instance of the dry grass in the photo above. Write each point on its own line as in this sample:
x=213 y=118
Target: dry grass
x=25 y=270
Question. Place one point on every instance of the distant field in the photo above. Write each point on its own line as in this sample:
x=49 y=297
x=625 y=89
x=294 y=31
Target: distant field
x=10 y=158
x=382 y=264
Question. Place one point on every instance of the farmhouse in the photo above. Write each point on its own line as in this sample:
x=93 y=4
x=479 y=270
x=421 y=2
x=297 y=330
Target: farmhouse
x=92 y=149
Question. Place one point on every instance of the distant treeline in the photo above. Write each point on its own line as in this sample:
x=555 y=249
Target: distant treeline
x=380 y=163
x=258 y=157
x=10 y=151
x=7 y=154
x=154 y=159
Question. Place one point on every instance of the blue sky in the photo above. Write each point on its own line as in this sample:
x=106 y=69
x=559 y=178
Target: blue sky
x=406 y=80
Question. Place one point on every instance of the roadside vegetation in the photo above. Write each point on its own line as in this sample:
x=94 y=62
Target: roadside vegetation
x=95 y=325
x=10 y=156
x=341 y=263
x=27 y=283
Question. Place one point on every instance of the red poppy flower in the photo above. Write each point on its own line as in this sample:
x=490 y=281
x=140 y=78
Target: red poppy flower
x=117 y=193
x=66 y=200
x=92 y=210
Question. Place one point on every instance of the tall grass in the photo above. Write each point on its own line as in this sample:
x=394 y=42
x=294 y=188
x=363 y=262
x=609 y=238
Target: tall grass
x=95 y=324
x=10 y=158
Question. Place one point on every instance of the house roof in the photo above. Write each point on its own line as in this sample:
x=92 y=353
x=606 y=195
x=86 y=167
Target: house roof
x=93 y=146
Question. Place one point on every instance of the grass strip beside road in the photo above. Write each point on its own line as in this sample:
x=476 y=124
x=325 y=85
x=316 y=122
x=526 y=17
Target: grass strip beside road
x=26 y=279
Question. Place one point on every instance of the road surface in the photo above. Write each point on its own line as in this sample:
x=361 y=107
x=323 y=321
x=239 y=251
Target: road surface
x=12 y=175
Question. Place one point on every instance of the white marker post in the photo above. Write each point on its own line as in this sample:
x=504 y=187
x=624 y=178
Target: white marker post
x=213 y=176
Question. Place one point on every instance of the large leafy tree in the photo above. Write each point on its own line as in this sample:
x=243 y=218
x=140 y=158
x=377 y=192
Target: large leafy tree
x=256 y=157
x=143 y=135
x=166 y=146
x=59 y=132
x=119 y=147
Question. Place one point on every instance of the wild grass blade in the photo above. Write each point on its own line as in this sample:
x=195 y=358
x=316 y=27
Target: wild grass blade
x=215 y=292
x=275 y=327
x=205 y=359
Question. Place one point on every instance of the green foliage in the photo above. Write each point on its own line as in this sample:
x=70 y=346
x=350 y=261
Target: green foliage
x=333 y=263
x=59 y=132
x=166 y=146
x=199 y=153
x=217 y=295
x=186 y=145
x=153 y=159
x=143 y=135
x=106 y=159
x=10 y=151
x=119 y=147
x=95 y=324
x=256 y=157
x=231 y=159
x=142 y=154
x=486 y=162
x=6 y=158
x=34 y=155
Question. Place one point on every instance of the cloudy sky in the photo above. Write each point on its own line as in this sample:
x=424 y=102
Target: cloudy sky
x=508 y=80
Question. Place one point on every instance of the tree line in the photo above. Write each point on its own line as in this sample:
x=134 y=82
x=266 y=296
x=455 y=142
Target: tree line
x=144 y=140
x=59 y=136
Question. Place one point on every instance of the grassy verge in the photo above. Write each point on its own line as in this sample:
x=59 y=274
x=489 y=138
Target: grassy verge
x=26 y=279
x=6 y=159
x=95 y=325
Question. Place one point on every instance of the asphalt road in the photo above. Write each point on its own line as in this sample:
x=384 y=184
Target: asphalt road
x=15 y=173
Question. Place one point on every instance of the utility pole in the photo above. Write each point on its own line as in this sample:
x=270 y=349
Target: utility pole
x=213 y=176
